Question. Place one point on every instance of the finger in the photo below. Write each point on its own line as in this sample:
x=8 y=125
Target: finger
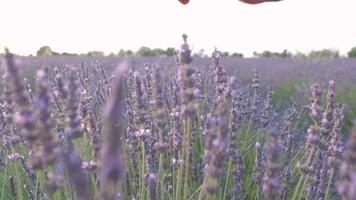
x=184 y=1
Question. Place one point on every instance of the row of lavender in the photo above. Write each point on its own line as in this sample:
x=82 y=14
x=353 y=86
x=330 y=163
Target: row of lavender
x=146 y=133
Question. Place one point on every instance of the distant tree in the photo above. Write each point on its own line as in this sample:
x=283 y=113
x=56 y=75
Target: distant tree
x=170 y=51
x=129 y=52
x=285 y=54
x=68 y=54
x=123 y=52
x=45 y=51
x=269 y=54
x=159 y=52
x=112 y=54
x=299 y=55
x=352 y=53
x=95 y=53
x=201 y=53
x=145 y=51
x=266 y=54
x=225 y=54
x=324 y=53
x=237 y=55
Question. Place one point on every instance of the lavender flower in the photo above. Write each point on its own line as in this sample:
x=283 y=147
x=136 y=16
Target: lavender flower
x=112 y=166
x=347 y=186
x=271 y=183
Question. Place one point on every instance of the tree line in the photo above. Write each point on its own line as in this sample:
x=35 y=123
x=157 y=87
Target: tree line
x=146 y=51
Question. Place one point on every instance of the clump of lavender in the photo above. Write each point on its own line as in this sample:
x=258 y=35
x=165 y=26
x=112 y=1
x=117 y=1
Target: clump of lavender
x=189 y=92
x=112 y=165
x=235 y=156
x=347 y=186
x=313 y=142
x=316 y=108
x=287 y=145
x=327 y=118
x=327 y=134
x=210 y=134
x=187 y=79
x=257 y=174
x=271 y=184
x=24 y=116
x=159 y=119
x=267 y=111
x=73 y=165
x=61 y=90
x=72 y=108
x=8 y=135
x=45 y=151
x=220 y=74
x=333 y=155
x=255 y=98
x=216 y=144
x=159 y=111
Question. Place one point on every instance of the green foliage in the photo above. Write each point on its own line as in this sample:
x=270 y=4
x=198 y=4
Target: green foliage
x=225 y=54
x=146 y=51
x=46 y=51
x=95 y=53
x=352 y=53
x=347 y=96
x=170 y=51
x=124 y=52
x=237 y=55
x=333 y=53
x=268 y=54
x=286 y=92
x=69 y=54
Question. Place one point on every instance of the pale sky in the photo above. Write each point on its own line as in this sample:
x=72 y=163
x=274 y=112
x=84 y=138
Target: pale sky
x=78 y=26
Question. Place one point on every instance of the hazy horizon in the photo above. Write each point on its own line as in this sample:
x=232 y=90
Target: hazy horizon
x=81 y=26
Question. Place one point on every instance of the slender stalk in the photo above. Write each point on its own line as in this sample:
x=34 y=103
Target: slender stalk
x=329 y=183
x=18 y=176
x=36 y=187
x=296 y=192
x=179 y=178
x=142 y=185
x=161 y=173
x=187 y=137
x=196 y=192
x=227 y=178
x=3 y=182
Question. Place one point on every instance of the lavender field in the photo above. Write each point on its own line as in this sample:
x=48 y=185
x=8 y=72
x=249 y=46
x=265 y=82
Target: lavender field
x=177 y=128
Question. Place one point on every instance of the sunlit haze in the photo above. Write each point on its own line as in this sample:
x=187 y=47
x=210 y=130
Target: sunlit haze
x=79 y=26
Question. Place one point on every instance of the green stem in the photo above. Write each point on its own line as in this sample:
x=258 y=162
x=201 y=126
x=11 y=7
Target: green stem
x=201 y=193
x=36 y=187
x=3 y=181
x=179 y=178
x=18 y=176
x=187 y=158
x=142 y=185
x=161 y=173
x=227 y=178
x=92 y=177
x=196 y=192
x=329 y=183
x=296 y=192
